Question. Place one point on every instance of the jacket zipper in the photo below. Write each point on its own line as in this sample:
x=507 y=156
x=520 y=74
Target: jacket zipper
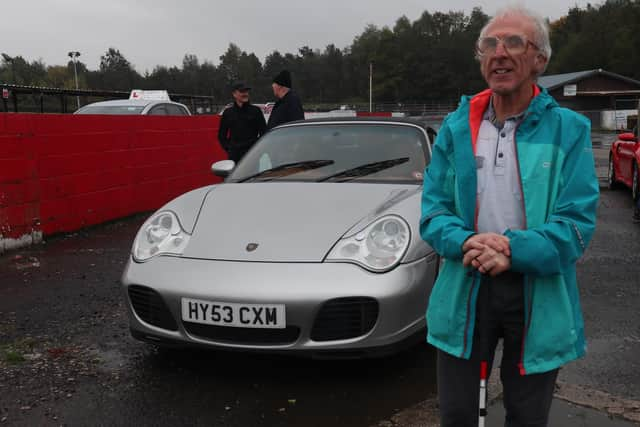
x=529 y=308
x=515 y=147
x=467 y=322
x=526 y=281
x=579 y=234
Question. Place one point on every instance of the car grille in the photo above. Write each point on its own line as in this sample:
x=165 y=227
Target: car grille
x=344 y=318
x=150 y=307
x=249 y=336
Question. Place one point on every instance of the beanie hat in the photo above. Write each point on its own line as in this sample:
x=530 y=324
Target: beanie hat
x=283 y=78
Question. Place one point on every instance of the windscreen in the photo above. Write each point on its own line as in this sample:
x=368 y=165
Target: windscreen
x=390 y=153
x=110 y=109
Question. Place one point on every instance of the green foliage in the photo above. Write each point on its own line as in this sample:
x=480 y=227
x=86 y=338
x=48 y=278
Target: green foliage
x=606 y=36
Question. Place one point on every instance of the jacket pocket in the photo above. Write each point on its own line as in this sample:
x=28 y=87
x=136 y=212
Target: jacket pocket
x=448 y=306
x=552 y=332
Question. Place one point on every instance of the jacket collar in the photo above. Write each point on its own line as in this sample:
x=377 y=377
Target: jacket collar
x=479 y=103
x=244 y=106
x=286 y=95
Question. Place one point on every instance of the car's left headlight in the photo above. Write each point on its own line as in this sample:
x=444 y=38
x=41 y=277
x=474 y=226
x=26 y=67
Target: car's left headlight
x=379 y=247
x=160 y=234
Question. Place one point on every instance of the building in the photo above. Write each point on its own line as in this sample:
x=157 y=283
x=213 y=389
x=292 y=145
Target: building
x=607 y=98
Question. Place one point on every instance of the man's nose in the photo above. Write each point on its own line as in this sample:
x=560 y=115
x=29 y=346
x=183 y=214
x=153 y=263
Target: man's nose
x=500 y=49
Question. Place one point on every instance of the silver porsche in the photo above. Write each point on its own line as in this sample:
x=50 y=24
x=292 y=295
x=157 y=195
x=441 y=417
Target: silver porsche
x=310 y=245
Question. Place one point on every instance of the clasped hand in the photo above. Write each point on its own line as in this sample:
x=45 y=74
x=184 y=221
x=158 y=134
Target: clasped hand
x=489 y=253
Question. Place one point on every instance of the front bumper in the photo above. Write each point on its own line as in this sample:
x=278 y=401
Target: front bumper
x=400 y=295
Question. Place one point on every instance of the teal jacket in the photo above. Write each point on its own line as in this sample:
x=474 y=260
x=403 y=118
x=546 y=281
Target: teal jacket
x=560 y=195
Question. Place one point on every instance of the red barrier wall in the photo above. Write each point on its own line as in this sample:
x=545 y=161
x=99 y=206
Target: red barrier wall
x=63 y=172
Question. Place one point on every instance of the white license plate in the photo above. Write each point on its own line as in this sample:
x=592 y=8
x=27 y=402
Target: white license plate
x=234 y=314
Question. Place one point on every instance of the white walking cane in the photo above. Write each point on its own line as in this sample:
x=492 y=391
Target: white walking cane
x=484 y=355
x=483 y=394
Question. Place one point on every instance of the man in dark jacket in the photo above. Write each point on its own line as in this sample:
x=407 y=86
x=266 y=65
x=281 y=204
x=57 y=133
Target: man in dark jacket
x=288 y=107
x=241 y=125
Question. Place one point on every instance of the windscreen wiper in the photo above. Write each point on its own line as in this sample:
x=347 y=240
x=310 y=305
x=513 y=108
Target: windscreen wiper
x=292 y=167
x=366 y=169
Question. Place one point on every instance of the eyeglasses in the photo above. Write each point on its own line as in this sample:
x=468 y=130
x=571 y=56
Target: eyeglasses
x=514 y=44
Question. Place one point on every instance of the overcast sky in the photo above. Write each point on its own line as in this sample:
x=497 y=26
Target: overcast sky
x=152 y=32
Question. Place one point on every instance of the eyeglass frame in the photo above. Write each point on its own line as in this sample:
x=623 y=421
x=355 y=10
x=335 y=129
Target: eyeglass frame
x=526 y=40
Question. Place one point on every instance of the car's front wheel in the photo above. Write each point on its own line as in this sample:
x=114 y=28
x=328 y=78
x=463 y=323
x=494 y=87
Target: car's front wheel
x=611 y=175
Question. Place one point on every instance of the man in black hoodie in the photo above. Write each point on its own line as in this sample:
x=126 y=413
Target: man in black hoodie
x=288 y=106
x=241 y=125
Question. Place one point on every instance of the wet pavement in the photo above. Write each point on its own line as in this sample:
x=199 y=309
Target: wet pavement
x=66 y=356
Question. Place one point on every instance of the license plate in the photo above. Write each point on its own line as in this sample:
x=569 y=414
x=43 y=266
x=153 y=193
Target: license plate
x=236 y=315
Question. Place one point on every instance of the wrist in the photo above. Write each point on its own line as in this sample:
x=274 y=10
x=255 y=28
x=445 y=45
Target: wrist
x=465 y=241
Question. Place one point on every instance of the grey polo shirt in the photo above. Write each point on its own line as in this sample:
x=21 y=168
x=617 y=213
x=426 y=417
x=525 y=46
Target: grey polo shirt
x=500 y=203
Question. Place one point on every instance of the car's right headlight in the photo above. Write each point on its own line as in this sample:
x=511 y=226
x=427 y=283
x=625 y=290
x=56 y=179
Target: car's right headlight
x=379 y=247
x=160 y=234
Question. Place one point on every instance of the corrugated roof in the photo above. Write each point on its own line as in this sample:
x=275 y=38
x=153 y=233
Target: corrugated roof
x=556 y=80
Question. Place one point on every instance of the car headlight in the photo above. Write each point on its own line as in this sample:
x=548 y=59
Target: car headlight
x=161 y=234
x=378 y=248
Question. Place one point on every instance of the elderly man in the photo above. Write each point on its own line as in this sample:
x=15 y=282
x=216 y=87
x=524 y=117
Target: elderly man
x=288 y=106
x=510 y=204
x=241 y=125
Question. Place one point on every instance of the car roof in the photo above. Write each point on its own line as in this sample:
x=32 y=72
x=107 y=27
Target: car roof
x=129 y=103
x=377 y=120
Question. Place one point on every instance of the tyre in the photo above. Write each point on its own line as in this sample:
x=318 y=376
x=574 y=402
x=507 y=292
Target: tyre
x=635 y=191
x=612 y=182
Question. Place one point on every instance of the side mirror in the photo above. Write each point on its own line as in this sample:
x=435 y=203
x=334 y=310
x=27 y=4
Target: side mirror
x=627 y=136
x=223 y=168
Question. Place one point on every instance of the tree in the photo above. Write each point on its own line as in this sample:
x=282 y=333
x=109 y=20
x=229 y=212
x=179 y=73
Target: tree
x=230 y=64
x=116 y=72
x=430 y=58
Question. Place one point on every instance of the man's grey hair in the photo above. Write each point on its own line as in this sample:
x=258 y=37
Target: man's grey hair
x=540 y=26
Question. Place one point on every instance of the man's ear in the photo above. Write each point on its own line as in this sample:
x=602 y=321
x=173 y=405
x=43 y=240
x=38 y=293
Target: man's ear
x=540 y=63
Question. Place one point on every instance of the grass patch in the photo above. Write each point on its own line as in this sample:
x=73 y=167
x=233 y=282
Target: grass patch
x=12 y=356
x=14 y=352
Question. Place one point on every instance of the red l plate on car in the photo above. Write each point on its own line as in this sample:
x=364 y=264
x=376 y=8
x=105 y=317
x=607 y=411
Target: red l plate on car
x=238 y=315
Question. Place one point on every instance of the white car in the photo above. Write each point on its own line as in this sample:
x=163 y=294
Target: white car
x=150 y=103
x=136 y=107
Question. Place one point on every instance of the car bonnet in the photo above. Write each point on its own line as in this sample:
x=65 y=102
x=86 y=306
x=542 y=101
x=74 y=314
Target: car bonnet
x=281 y=222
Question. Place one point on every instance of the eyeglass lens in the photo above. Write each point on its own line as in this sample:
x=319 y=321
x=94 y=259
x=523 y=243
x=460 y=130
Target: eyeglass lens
x=513 y=44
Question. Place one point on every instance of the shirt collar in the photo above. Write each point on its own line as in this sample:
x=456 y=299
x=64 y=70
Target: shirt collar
x=490 y=115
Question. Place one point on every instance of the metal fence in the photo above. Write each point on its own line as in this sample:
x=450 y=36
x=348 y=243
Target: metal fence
x=33 y=99
x=623 y=122
x=410 y=109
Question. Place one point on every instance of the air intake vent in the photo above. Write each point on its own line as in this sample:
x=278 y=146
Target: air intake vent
x=150 y=307
x=345 y=318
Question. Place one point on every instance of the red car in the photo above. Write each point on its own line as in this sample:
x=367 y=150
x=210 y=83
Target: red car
x=624 y=162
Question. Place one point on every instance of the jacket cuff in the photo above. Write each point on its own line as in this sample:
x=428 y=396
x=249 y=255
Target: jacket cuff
x=456 y=241
x=519 y=262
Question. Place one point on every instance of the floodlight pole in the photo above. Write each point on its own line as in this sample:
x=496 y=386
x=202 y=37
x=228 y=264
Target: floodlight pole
x=370 y=87
x=74 y=57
